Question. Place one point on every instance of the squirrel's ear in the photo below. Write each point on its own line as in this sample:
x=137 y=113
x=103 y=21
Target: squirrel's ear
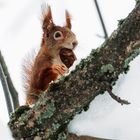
x=68 y=20
x=47 y=18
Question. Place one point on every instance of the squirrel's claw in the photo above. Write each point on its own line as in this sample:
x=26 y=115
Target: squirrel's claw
x=59 y=69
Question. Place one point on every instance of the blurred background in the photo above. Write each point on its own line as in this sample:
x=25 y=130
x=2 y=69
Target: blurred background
x=20 y=32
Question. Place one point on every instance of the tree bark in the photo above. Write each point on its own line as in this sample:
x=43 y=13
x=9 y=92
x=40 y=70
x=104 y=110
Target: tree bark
x=49 y=117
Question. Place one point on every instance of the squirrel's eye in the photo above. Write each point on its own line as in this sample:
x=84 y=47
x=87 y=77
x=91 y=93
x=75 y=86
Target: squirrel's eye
x=58 y=35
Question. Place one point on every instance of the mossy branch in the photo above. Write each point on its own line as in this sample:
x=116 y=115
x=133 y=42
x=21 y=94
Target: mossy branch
x=93 y=76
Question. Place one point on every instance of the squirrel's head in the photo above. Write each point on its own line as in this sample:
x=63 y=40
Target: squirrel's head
x=56 y=37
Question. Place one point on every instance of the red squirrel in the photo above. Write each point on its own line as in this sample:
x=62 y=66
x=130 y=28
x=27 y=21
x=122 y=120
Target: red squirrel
x=53 y=59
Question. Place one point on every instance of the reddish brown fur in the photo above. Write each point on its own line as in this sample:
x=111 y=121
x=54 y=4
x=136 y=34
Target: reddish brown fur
x=68 y=20
x=48 y=65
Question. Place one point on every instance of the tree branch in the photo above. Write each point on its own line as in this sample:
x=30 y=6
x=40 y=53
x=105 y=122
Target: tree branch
x=10 y=85
x=117 y=98
x=6 y=91
x=101 y=19
x=50 y=115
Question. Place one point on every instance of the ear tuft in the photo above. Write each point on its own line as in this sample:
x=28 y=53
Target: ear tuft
x=68 y=19
x=47 y=21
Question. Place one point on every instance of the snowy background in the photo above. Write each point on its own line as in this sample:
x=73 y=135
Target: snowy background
x=20 y=31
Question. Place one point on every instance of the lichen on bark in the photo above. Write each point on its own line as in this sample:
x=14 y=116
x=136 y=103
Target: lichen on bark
x=49 y=117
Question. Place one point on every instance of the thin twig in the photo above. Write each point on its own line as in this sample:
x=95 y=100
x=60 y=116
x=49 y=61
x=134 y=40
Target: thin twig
x=6 y=91
x=101 y=19
x=116 y=98
x=10 y=85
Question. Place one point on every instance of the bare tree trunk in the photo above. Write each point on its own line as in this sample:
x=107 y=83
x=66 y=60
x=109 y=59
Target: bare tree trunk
x=49 y=118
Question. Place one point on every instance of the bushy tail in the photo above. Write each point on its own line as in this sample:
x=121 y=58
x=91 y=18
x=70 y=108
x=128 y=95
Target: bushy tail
x=27 y=70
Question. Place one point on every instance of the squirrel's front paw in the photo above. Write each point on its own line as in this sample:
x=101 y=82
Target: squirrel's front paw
x=31 y=100
x=60 y=69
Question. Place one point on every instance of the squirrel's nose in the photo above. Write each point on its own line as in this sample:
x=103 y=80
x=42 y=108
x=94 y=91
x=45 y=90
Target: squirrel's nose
x=74 y=44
